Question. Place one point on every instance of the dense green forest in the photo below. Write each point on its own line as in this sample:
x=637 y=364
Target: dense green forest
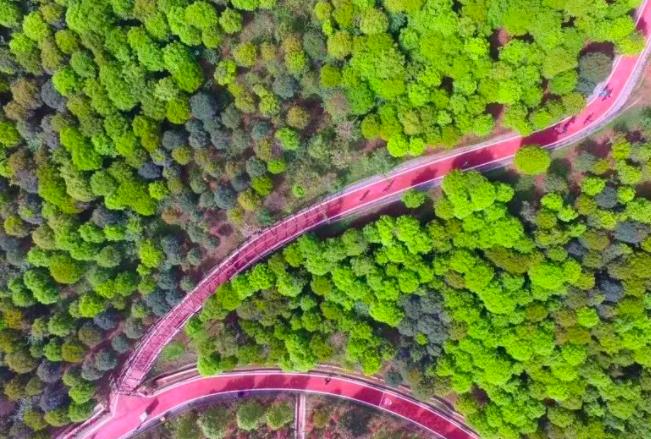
x=532 y=305
x=134 y=132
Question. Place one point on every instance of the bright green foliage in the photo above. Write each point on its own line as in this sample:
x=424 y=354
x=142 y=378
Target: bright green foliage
x=9 y=135
x=403 y=67
x=150 y=255
x=201 y=14
x=82 y=392
x=182 y=66
x=532 y=160
x=413 y=199
x=149 y=53
x=10 y=14
x=231 y=21
x=288 y=138
x=80 y=412
x=373 y=21
x=245 y=55
x=64 y=269
x=35 y=27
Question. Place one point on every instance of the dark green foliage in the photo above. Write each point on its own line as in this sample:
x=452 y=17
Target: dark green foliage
x=279 y=415
x=250 y=415
x=224 y=419
x=593 y=68
x=214 y=422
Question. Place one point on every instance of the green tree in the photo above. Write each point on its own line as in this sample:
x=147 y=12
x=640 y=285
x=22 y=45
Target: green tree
x=183 y=67
x=413 y=199
x=279 y=415
x=214 y=422
x=532 y=160
x=250 y=415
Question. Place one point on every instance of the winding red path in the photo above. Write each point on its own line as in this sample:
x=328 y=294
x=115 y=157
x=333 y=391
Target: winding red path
x=126 y=409
x=427 y=170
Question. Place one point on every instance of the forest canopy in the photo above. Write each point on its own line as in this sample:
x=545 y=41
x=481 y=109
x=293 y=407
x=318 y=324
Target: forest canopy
x=141 y=141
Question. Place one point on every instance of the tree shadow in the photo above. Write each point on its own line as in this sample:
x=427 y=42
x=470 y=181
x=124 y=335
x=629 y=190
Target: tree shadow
x=225 y=230
x=561 y=166
x=481 y=159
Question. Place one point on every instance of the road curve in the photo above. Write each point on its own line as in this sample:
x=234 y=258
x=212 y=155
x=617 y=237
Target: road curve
x=127 y=409
x=419 y=172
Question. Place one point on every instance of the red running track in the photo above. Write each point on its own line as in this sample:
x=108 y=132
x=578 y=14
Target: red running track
x=127 y=409
x=425 y=171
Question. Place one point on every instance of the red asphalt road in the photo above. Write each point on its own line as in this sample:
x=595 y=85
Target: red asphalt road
x=125 y=419
x=424 y=171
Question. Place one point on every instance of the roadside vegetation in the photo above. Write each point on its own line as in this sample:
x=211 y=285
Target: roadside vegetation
x=332 y=417
x=272 y=417
x=141 y=140
x=531 y=306
x=264 y=417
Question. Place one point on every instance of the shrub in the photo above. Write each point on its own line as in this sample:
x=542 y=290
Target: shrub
x=246 y=5
x=285 y=86
x=203 y=106
x=276 y=166
x=149 y=53
x=225 y=197
x=231 y=21
x=177 y=111
x=245 y=54
x=120 y=343
x=34 y=420
x=10 y=14
x=80 y=412
x=297 y=117
x=339 y=45
x=373 y=21
x=279 y=415
x=20 y=361
x=82 y=391
x=64 y=269
x=35 y=27
x=105 y=360
x=201 y=14
x=413 y=199
x=150 y=254
x=49 y=372
x=214 y=422
x=250 y=415
x=90 y=335
x=57 y=418
x=288 y=138
x=72 y=352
